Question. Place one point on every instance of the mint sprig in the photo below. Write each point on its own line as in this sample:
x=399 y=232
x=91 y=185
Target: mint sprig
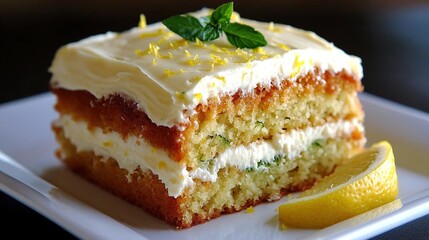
x=211 y=27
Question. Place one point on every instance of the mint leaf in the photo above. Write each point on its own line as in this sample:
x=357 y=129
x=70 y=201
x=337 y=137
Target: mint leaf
x=204 y=21
x=188 y=27
x=213 y=24
x=209 y=33
x=244 y=36
x=221 y=15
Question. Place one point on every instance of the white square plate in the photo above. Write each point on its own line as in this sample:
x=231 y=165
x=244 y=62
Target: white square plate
x=26 y=136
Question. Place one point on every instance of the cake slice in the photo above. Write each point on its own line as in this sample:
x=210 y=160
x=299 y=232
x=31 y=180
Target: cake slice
x=190 y=130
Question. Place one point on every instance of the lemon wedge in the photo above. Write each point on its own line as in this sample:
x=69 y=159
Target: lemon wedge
x=365 y=181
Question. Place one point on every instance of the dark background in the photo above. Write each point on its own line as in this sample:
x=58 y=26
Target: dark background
x=391 y=37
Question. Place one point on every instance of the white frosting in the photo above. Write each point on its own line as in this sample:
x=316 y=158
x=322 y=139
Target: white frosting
x=168 y=76
x=135 y=152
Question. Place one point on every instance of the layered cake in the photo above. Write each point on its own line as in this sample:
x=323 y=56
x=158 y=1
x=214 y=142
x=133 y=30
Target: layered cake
x=191 y=130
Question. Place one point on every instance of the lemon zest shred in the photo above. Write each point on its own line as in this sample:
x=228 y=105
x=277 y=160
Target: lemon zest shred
x=142 y=22
x=181 y=96
x=272 y=27
x=283 y=46
x=192 y=62
x=198 y=96
x=297 y=65
x=152 y=34
x=222 y=79
x=259 y=50
x=139 y=52
x=235 y=17
x=164 y=38
x=153 y=49
x=178 y=43
x=250 y=210
x=199 y=43
x=217 y=60
x=169 y=73
x=196 y=79
x=187 y=53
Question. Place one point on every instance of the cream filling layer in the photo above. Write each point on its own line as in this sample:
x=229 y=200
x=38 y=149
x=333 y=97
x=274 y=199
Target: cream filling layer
x=134 y=152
